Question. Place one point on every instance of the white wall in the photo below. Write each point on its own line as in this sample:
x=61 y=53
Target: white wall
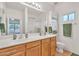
x=71 y=44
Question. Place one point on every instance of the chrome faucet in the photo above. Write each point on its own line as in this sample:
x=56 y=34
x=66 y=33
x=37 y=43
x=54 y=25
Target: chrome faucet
x=26 y=35
x=14 y=36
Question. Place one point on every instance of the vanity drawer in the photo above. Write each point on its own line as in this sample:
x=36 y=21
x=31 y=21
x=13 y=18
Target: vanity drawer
x=53 y=38
x=46 y=41
x=12 y=50
x=33 y=44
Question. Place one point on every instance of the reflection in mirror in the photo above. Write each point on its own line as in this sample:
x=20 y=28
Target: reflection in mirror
x=14 y=26
x=2 y=20
x=54 y=25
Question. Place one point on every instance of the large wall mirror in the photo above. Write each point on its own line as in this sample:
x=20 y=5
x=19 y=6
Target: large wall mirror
x=11 y=19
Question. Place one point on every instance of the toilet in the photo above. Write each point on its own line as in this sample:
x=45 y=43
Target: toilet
x=60 y=47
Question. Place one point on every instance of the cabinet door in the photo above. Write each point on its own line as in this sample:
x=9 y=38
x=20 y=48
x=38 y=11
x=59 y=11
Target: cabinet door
x=53 y=46
x=34 y=51
x=46 y=47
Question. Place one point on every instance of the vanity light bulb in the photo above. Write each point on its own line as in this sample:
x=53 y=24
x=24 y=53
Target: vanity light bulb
x=33 y=3
x=39 y=6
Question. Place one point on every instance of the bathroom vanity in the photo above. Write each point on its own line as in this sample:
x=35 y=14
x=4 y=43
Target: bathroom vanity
x=37 y=46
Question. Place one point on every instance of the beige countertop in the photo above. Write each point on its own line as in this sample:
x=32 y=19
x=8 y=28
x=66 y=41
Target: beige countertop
x=9 y=42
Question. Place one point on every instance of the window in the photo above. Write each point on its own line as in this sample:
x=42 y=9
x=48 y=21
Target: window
x=69 y=17
x=67 y=30
x=14 y=26
x=65 y=17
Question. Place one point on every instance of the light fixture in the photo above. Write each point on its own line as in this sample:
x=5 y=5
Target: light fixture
x=33 y=4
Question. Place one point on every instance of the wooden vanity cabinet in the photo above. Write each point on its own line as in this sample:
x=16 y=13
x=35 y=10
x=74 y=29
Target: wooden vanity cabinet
x=46 y=47
x=53 y=46
x=33 y=48
x=43 y=47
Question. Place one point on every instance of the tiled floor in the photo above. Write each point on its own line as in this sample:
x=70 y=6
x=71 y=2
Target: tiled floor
x=65 y=53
